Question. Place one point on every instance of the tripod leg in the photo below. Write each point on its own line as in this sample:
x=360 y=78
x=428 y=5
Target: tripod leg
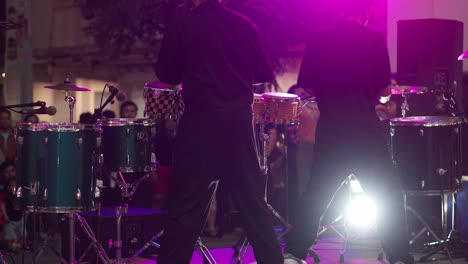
x=95 y=243
x=240 y=249
x=205 y=252
x=46 y=241
x=151 y=242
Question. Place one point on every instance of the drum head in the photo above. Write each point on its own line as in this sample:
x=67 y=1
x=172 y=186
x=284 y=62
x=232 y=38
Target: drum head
x=426 y=121
x=31 y=126
x=126 y=121
x=64 y=127
x=283 y=97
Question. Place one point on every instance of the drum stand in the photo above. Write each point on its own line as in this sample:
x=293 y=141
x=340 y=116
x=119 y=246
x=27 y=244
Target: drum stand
x=241 y=246
x=127 y=191
x=72 y=216
x=441 y=244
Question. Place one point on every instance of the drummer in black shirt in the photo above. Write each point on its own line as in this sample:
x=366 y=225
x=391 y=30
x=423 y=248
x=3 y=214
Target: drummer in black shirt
x=217 y=55
x=347 y=68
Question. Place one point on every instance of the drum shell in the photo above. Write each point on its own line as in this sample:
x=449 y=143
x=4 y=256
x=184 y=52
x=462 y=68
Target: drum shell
x=31 y=164
x=281 y=108
x=127 y=145
x=258 y=108
x=162 y=103
x=91 y=135
x=427 y=156
x=65 y=179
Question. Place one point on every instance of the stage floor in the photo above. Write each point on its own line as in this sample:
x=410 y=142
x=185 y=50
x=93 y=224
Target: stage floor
x=362 y=249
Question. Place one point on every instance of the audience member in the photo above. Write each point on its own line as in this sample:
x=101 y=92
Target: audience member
x=31 y=118
x=7 y=138
x=128 y=109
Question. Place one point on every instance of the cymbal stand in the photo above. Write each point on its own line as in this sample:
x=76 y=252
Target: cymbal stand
x=70 y=100
x=241 y=246
x=404 y=106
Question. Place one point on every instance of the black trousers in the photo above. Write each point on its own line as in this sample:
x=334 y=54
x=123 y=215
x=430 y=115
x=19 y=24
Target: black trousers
x=212 y=146
x=343 y=149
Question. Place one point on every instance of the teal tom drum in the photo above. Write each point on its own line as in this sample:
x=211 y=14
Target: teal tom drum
x=127 y=144
x=32 y=161
x=68 y=185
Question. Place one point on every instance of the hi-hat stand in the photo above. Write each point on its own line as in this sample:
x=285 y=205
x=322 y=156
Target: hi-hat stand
x=241 y=246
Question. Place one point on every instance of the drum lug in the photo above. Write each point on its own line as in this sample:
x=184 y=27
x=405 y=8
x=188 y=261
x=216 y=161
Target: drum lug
x=46 y=140
x=45 y=195
x=78 y=194
x=392 y=131
x=19 y=192
x=20 y=140
x=423 y=184
x=421 y=132
x=441 y=171
x=128 y=159
x=98 y=142
x=80 y=142
x=101 y=159
x=33 y=189
x=153 y=159
x=127 y=131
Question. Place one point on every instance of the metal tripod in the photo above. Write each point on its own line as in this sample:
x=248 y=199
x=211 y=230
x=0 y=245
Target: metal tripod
x=71 y=225
x=242 y=245
x=440 y=244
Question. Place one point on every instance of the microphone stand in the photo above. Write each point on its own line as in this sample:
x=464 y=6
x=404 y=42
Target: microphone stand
x=98 y=111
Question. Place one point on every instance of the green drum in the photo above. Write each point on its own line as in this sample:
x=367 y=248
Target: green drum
x=127 y=144
x=32 y=163
x=68 y=186
x=91 y=135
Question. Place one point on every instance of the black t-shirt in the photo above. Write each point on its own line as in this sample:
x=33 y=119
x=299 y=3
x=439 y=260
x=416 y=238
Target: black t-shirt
x=163 y=146
x=346 y=65
x=216 y=54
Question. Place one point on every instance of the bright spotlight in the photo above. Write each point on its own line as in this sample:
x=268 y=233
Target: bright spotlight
x=3 y=75
x=361 y=211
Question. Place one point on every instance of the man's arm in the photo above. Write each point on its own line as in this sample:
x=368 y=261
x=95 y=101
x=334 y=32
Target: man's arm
x=306 y=78
x=263 y=71
x=382 y=69
x=169 y=64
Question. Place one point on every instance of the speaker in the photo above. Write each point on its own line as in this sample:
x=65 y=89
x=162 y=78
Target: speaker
x=427 y=51
x=138 y=226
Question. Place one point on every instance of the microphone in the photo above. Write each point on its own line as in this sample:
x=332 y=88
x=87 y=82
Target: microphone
x=44 y=110
x=120 y=95
x=38 y=103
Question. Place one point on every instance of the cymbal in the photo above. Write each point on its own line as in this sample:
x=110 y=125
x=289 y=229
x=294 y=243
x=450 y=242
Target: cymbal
x=407 y=89
x=67 y=86
x=463 y=56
